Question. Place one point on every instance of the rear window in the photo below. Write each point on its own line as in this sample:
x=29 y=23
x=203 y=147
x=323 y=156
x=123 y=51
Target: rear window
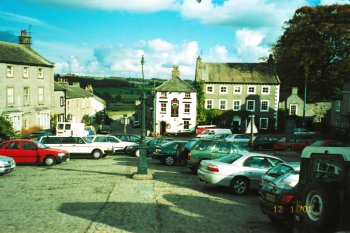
x=2 y=144
x=279 y=170
x=229 y=158
x=327 y=169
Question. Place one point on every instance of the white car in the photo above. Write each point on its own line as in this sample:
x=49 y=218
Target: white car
x=7 y=165
x=238 y=138
x=78 y=146
x=303 y=132
x=239 y=172
x=118 y=144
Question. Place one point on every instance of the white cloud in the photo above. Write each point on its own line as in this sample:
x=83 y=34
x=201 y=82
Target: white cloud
x=218 y=54
x=331 y=2
x=110 y=5
x=249 y=45
x=20 y=18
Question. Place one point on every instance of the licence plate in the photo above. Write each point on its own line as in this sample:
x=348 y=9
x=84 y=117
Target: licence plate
x=270 y=197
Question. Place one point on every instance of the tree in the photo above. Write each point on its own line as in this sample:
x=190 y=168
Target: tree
x=315 y=49
x=6 y=127
x=201 y=111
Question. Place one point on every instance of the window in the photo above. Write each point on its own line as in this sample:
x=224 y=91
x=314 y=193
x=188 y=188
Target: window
x=236 y=105
x=264 y=106
x=28 y=146
x=25 y=72
x=265 y=90
x=26 y=96
x=223 y=104
x=210 y=89
x=10 y=96
x=251 y=90
x=61 y=101
x=175 y=108
x=264 y=123
x=13 y=146
x=237 y=90
x=187 y=95
x=293 y=109
x=186 y=124
x=9 y=71
x=255 y=162
x=40 y=73
x=251 y=105
x=163 y=94
x=223 y=89
x=41 y=95
x=68 y=105
x=187 y=108
x=208 y=104
x=163 y=107
x=337 y=106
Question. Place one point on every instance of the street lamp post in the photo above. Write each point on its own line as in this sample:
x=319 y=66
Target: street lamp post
x=142 y=165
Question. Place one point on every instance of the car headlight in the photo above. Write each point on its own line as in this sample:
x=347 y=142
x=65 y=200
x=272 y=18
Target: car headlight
x=60 y=154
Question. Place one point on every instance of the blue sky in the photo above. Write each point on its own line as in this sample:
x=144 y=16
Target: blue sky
x=108 y=37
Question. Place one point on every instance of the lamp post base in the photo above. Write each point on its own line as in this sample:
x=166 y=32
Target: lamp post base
x=138 y=176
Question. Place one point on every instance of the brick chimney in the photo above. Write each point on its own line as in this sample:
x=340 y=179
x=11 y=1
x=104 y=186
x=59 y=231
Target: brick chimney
x=25 y=39
x=176 y=72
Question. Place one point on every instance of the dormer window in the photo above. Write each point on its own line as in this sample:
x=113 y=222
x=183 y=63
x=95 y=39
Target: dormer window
x=9 y=71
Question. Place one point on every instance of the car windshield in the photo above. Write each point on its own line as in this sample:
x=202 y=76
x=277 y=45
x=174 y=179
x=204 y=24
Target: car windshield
x=2 y=144
x=229 y=158
x=241 y=148
x=86 y=139
x=40 y=145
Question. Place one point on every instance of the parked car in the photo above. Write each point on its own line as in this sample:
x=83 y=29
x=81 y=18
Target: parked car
x=303 y=132
x=279 y=170
x=238 y=138
x=169 y=153
x=239 y=172
x=211 y=132
x=151 y=144
x=105 y=129
x=262 y=142
x=129 y=137
x=323 y=190
x=211 y=149
x=30 y=151
x=118 y=145
x=332 y=143
x=38 y=134
x=7 y=165
x=292 y=144
x=277 y=198
x=78 y=146
x=71 y=129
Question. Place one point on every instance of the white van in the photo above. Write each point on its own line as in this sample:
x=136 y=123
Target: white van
x=71 y=129
x=211 y=132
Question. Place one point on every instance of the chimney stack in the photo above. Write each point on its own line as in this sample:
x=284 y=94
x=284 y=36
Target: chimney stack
x=25 y=39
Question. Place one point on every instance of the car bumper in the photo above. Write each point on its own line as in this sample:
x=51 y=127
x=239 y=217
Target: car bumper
x=109 y=152
x=64 y=158
x=7 y=168
x=213 y=178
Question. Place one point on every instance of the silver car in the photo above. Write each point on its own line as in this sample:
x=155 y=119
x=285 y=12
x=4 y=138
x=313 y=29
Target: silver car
x=239 y=172
x=7 y=165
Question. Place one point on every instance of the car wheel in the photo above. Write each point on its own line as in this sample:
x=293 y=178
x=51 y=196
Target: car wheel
x=239 y=185
x=137 y=153
x=96 y=154
x=49 y=161
x=322 y=205
x=169 y=161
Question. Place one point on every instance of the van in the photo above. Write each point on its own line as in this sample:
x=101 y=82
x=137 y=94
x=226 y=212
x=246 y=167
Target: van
x=71 y=129
x=212 y=132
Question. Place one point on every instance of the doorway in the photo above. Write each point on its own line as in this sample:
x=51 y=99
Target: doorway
x=162 y=127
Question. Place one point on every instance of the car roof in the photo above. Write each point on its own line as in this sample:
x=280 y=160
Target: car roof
x=309 y=150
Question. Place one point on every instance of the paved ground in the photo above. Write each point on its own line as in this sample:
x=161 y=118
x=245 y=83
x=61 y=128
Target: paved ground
x=86 y=195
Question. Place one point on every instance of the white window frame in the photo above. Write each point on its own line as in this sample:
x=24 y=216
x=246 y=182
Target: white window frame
x=222 y=92
x=337 y=106
x=10 y=95
x=239 y=105
x=40 y=72
x=290 y=109
x=26 y=96
x=41 y=92
x=251 y=101
x=212 y=89
x=206 y=103
x=187 y=95
x=187 y=108
x=261 y=106
x=267 y=123
x=25 y=71
x=265 y=93
x=163 y=107
x=186 y=124
x=251 y=92
x=220 y=100
x=236 y=88
x=9 y=71
x=61 y=101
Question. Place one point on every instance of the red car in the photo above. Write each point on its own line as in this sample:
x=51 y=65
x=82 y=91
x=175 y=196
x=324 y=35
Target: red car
x=29 y=151
x=292 y=144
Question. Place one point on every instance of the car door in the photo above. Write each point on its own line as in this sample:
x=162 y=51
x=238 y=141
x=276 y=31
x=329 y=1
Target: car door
x=118 y=145
x=80 y=147
x=30 y=152
x=254 y=168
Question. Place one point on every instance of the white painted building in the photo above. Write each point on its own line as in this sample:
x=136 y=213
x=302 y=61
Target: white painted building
x=175 y=106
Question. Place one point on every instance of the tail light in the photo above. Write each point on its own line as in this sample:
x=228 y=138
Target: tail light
x=189 y=155
x=287 y=198
x=158 y=150
x=213 y=168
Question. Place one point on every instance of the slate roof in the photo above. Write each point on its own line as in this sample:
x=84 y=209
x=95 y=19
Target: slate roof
x=77 y=92
x=175 y=84
x=21 y=54
x=254 y=73
x=58 y=87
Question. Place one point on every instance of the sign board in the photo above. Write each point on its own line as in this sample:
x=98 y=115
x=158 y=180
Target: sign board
x=125 y=121
x=249 y=128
